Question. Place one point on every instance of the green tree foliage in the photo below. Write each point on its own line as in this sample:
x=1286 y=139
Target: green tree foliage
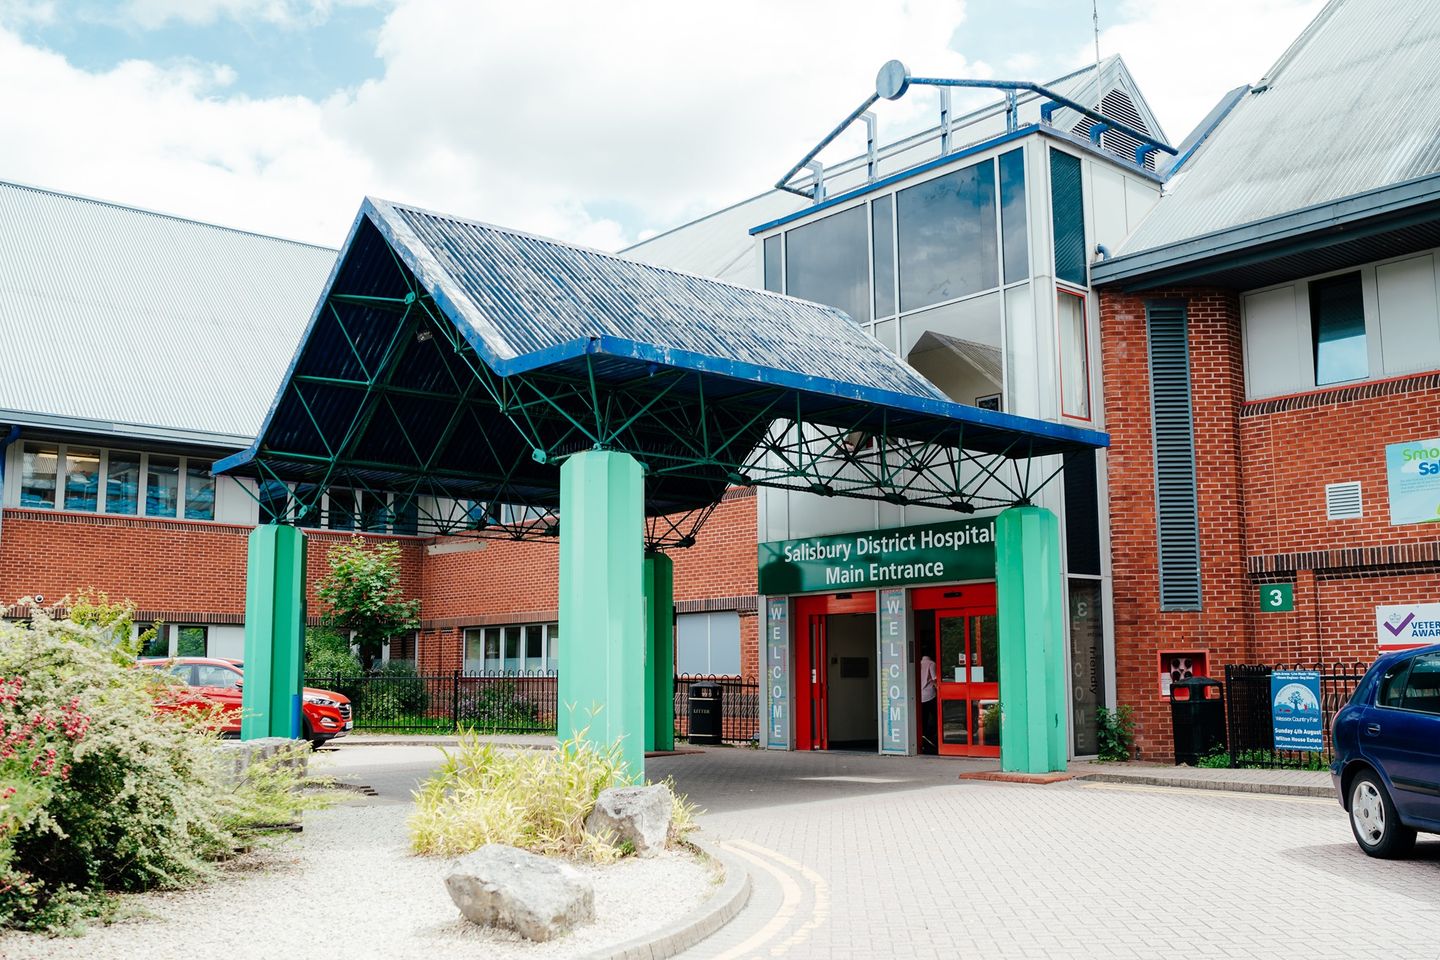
x=327 y=655
x=364 y=595
x=108 y=620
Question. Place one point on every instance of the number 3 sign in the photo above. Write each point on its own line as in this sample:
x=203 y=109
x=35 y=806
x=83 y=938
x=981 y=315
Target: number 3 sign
x=1277 y=597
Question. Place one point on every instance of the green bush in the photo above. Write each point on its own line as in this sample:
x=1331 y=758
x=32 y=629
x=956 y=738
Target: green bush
x=402 y=685
x=102 y=792
x=496 y=706
x=1264 y=760
x=1116 y=733
x=534 y=799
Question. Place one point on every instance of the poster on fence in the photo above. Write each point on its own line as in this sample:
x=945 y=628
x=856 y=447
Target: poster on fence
x=1295 y=705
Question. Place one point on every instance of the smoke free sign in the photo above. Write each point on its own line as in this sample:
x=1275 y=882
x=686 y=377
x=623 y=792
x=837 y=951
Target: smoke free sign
x=1412 y=473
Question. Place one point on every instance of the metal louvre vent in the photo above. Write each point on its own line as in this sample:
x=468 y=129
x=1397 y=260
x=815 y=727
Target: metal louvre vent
x=1342 y=501
x=1176 y=510
x=1117 y=105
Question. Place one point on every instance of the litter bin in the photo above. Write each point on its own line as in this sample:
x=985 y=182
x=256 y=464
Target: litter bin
x=707 y=712
x=1197 y=716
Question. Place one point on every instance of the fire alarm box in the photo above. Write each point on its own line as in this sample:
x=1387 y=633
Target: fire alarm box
x=1178 y=665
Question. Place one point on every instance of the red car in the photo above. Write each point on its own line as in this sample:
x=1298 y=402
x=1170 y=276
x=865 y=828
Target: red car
x=324 y=714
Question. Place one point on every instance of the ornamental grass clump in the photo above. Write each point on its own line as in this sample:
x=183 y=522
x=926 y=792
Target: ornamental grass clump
x=99 y=791
x=533 y=799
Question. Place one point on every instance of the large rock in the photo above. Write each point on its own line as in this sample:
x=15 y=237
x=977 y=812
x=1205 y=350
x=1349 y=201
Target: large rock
x=640 y=815
x=501 y=886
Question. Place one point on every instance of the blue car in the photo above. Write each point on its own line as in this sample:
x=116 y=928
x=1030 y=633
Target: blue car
x=1387 y=752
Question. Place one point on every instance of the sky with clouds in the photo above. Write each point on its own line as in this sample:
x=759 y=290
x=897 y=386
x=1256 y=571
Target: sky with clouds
x=599 y=122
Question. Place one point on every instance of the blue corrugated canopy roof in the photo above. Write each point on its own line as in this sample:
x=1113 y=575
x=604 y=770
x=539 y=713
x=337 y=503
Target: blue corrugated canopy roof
x=454 y=358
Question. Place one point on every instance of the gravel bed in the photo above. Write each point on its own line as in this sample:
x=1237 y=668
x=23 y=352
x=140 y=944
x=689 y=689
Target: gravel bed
x=348 y=887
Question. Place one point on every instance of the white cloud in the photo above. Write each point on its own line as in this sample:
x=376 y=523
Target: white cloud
x=590 y=121
x=149 y=14
x=563 y=118
x=1185 y=55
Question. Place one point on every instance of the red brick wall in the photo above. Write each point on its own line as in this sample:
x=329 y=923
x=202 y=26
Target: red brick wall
x=164 y=567
x=196 y=572
x=1142 y=630
x=1262 y=470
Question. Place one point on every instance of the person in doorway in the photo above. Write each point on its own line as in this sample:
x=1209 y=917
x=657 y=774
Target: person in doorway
x=928 y=693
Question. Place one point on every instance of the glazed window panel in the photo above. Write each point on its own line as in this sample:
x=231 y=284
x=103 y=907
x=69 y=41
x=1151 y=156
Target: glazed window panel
x=1015 y=235
x=82 y=479
x=190 y=642
x=1337 y=323
x=828 y=261
x=773 y=279
x=199 y=491
x=882 y=240
x=946 y=230
x=122 y=483
x=162 y=486
x=1074 y=356
x=39 y=464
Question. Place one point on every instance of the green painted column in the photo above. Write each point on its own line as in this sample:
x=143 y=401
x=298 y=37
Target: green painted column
x=274 y=633
x=1032 y=640
x=602 y=608
x=659 y=589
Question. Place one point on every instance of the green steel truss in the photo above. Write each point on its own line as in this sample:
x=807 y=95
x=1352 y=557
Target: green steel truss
x=526 y=425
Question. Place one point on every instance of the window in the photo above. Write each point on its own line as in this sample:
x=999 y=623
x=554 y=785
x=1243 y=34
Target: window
x=122 y=482
x=511 y=649
x=708 y=644
x=213 y=675
x=1074 y=356
x=828 y=261
x=38 y=463
x=772 y=264
x=190 y=641
x=199 y=491
x=162 y=483
x=946 y=231
x=158 y=645
x=340 y=513
x=407 y=516
x=1392 y=685
x=1422 y=685
x=1337 y=325
x=82 y=479
x=1067 y=211
x=882 y=218
x=1013 y=228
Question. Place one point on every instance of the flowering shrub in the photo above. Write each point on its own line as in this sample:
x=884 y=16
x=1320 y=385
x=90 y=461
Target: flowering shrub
x=99 y=791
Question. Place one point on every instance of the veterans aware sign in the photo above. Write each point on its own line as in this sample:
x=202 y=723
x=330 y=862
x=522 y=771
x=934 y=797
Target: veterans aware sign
x=927 y=553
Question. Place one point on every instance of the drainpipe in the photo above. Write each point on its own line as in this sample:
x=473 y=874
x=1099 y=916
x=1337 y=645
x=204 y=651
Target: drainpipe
x=10 y=437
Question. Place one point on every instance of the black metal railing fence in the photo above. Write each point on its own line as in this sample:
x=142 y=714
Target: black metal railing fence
x=1249 y=720
x=507 y=702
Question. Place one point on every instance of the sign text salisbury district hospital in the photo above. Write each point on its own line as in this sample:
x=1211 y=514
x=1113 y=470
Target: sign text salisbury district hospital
x=928 y=553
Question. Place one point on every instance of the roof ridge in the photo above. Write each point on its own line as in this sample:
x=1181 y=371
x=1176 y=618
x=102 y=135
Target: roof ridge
x=377 y=201
x=146 y=211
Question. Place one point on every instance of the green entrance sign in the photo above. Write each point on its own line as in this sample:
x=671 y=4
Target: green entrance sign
x=927 y=553
x=1277 y=597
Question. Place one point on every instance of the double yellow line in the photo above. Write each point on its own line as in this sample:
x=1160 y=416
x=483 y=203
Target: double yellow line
x=767 y=941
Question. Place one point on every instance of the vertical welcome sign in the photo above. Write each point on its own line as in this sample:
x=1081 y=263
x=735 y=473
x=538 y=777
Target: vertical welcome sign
x=777 y=674
x=894 y=673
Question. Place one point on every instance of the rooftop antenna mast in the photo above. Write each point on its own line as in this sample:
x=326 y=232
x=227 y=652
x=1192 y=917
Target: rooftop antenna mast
x=1095 y=20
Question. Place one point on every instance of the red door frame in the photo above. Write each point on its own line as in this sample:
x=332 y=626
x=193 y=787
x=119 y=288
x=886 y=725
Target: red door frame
x=966 y=601
x=812 y=701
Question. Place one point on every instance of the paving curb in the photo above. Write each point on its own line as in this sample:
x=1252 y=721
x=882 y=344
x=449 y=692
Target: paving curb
x=718 y=909
x=1231 y=786
x=424 y=741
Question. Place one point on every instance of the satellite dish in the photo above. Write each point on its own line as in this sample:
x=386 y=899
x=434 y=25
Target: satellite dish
x=892 y=81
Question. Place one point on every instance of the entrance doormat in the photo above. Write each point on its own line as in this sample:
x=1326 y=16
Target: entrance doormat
x=1005 y=776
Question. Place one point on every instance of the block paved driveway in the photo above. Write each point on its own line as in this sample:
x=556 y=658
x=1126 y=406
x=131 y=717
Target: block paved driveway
x=870 y=857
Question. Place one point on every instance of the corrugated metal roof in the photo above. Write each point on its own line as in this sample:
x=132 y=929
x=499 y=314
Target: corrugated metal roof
x=1352 y=106
x=143 y=324
x=719 y=245
x=383 y=389
x=524 y=295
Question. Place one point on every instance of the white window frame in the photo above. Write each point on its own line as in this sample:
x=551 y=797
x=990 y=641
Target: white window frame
x=102 y=494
